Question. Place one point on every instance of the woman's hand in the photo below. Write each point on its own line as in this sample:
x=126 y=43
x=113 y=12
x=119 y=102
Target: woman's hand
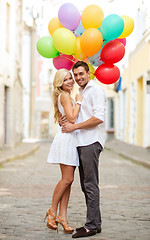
x=68 y=127
x=62 y=120
x=78 y=97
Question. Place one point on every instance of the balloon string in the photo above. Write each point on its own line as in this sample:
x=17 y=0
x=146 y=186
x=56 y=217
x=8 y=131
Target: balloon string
x=97 y=57
x=79 y=52
x=92 y=73
x=61 y=55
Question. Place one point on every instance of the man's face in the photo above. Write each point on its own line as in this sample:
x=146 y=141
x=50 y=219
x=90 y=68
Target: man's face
x=81 y=76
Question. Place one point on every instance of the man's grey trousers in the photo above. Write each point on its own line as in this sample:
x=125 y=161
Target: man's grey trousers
x=89 y=179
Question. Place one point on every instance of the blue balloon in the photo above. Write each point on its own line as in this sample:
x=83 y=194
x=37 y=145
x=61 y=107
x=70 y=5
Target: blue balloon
x=112 y=26
x=80 y=29
x=95 y=59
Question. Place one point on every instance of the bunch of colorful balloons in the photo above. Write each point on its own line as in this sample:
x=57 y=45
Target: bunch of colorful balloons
x=89 y=37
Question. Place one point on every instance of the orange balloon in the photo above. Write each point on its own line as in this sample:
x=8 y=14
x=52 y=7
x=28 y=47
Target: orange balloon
x=78 y=51
x=53 y=25
x=92 y=16
x=91 y=41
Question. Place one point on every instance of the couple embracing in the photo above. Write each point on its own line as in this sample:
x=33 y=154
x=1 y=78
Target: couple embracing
x=78 y=143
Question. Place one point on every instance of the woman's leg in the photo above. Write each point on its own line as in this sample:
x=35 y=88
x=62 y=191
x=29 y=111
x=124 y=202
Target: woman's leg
x=64 y=203
x=63 y=184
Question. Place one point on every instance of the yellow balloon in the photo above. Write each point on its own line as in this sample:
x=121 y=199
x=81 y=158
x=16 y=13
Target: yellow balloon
x=64 y=40
x=128 y=26
x=53 y=25
x=92 y=16
x=92 y=71
x=78 y=51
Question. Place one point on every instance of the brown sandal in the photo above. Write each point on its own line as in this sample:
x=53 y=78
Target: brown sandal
x=51 y=221
x=64 y=224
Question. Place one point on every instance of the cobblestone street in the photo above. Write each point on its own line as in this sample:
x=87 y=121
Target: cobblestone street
x=26 y=188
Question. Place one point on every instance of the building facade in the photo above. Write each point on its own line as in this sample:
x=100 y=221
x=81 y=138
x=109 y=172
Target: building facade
x=38 y=73
x=132 y=103
x=10 y=73
x=133 y=122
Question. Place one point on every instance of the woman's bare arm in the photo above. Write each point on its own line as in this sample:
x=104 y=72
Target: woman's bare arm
x=70 y=112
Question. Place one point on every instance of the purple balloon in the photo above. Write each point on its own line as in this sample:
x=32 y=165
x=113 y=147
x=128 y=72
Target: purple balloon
x=69 y=16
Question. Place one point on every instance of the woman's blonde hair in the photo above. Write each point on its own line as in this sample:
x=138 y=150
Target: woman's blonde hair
x=57 y=84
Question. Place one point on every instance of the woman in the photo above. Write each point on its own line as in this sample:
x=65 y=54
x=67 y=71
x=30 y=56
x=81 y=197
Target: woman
x=63 y=149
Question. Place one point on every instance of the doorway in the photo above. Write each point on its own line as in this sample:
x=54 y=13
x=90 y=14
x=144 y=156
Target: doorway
x=6 y=92
x=139 y=129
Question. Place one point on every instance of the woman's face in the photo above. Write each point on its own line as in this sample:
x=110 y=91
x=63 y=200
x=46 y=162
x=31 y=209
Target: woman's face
x=68 y=83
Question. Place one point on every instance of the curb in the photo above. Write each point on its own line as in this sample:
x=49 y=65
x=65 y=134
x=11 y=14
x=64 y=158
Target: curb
x=136 y=161
x=18 y=156
x=131 y=159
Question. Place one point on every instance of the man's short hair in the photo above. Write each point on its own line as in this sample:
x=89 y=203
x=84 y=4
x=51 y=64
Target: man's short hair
x=81 y=64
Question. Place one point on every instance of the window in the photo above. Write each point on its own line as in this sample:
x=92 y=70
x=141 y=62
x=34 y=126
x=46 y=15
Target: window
x=7 y=27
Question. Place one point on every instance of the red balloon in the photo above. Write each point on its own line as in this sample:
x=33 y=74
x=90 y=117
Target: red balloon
x=112 y=52
x=107 y=73
x=122 y=40
x=63 y=61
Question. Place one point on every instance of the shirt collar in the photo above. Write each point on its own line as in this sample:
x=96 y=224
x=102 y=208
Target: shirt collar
x=90 y=84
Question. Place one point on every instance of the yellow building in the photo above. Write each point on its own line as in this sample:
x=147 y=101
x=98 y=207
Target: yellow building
x=137 y=79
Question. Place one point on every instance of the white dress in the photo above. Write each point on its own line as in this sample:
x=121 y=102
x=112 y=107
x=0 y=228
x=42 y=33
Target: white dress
x=63 y=148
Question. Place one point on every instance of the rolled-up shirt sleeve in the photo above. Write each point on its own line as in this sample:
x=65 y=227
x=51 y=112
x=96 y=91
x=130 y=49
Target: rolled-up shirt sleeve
x=99 y=103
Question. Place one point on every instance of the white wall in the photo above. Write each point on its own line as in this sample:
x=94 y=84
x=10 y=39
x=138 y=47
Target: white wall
x=26 y=67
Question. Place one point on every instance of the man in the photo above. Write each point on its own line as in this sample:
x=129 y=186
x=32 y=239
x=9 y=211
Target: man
x=90 y=128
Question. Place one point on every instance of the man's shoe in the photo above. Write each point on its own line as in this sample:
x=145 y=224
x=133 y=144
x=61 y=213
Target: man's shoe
x=77 y=229
x=98 y=230
x=83 y=233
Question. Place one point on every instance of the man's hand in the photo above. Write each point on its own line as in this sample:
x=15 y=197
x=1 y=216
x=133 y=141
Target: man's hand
x=68 y=127
x=63 y=119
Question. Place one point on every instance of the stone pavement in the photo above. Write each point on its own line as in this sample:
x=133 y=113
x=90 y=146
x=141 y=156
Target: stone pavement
x=26 y=188
x=131 y=152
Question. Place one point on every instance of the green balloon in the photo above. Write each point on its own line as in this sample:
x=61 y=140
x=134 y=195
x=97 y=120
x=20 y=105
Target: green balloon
x=112 y=26
x=46 y=48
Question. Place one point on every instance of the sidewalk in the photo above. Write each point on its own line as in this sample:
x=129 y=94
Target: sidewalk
x=134 y=153
x=20 y=151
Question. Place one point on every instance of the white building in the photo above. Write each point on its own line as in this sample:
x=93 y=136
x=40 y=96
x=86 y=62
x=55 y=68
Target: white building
x=10 y=72
x=38 y=73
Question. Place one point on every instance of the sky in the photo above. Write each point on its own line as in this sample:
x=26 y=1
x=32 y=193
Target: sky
x=120 y=7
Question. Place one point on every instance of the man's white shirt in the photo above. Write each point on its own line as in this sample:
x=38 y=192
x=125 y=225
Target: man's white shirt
x=93 y=104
